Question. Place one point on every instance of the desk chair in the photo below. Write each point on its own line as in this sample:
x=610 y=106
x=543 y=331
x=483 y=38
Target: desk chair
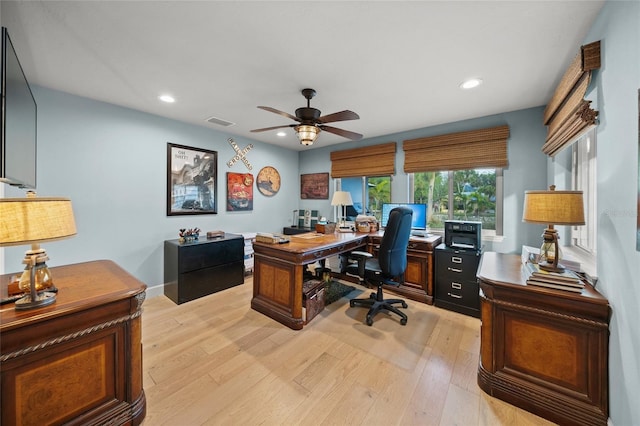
x=391 y=263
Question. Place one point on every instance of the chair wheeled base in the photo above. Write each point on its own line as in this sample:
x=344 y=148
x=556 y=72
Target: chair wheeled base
x=377 y=304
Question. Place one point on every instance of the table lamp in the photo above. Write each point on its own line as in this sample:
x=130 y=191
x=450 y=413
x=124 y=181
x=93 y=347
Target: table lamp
x=33 y=220
x=342 y=199
x=553 y=208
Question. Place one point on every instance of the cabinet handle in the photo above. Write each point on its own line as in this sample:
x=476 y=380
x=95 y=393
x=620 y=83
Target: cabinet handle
x=454 y=269
x=455 y=296
x=455 y=285
x=456 y=259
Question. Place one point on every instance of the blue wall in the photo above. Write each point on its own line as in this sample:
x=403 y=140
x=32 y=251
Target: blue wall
x=112 y=163
x=615 y=95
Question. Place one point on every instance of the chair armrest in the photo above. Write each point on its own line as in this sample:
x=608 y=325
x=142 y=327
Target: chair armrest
x=360 y=254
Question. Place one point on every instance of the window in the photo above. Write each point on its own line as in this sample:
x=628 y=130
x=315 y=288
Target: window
x=584 y=179
x=368 y=191
x=471 y=195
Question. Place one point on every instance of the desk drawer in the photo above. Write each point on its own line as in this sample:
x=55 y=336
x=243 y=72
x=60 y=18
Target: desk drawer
x=458 y=292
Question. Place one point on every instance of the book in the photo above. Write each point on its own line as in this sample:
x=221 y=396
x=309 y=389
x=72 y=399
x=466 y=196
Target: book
x=574 y=289
x=567 y=277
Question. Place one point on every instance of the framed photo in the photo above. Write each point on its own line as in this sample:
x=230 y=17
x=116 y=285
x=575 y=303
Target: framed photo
x=191 y=180
x=314 y=186
x=239 y=192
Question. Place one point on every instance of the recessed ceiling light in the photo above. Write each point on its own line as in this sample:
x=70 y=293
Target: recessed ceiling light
x=471 y=83
x=281 y=134
x=167 y=98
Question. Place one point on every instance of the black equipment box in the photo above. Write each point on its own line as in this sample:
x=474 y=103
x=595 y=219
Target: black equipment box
x=461 y=234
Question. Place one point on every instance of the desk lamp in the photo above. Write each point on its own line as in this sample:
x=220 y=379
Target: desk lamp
x=552 y=207
x=33 y=220
x=342 y=199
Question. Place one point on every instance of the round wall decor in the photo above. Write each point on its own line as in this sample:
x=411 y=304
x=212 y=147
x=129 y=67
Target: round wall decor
x=268 y=181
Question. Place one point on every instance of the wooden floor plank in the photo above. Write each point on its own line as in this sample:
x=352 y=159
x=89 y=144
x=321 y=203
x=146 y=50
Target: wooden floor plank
x=215 y=361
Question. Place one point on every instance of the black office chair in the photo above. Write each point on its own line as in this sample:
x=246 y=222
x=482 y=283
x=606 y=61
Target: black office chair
x=390 y=264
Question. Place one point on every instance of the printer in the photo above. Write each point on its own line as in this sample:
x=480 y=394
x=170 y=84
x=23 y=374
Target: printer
x=462 y=234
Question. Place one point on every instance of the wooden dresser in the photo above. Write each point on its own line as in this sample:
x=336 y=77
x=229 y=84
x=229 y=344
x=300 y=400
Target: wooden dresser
x=79 y=360
x=543 y=350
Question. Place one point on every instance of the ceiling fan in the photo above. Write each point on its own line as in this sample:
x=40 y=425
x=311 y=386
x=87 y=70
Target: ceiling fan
x=311 y=123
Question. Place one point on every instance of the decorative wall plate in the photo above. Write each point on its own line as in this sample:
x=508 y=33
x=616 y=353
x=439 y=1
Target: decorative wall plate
x=268 y=181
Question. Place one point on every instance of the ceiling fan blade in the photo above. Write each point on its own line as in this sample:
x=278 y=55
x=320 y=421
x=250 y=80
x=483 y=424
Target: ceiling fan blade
x=272 y=128
x=339 y=116
x=341 y=132
x=277 y=111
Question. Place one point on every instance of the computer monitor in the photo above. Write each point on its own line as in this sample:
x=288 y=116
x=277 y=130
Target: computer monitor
x=418 y=219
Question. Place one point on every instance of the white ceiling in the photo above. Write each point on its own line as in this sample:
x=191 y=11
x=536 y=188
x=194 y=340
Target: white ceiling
x=398 y=64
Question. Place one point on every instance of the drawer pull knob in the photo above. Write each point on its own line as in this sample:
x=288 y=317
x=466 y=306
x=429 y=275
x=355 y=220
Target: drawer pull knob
x=454 y=269
x=457 y=286
x=456 y=296
x=456 y=259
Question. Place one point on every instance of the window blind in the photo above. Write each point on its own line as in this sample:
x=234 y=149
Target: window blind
x=482 y=148
x=375 y=160
x=568 y=115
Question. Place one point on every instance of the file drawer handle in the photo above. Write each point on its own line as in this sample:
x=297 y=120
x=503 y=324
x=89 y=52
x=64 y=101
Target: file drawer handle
x=456 y=259
x=455 y=296
x=455 y=285
x=454 y=269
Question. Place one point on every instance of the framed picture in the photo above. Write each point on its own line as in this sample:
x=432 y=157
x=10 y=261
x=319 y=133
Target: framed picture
x=239 y=192
x=314 y=186
x=191 y=180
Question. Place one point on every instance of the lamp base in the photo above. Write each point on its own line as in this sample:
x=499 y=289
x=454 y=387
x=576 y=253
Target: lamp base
x=546 y=266
x=44 y=298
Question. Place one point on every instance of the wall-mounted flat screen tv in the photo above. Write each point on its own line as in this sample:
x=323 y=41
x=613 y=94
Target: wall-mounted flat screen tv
x=19 y=122
x=418 y=219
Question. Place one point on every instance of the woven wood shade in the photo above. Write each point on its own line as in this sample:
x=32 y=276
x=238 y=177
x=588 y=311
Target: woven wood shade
x=483 y=148
x=568 y=114
x=376 y=160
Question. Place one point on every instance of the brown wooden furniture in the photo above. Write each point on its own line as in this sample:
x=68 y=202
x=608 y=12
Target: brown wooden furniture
x=418 y=282
x=199 y=268
x=543 y=350
x=279 y=268
x=79 y=360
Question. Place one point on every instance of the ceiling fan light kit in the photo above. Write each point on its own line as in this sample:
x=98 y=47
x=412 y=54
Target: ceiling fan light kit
x=307 y=134
x=311 y=122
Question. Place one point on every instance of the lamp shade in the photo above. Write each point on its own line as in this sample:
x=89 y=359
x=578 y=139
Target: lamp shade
x=33 y=220
x=341 y=198
x=553 y=207
x=307 y=134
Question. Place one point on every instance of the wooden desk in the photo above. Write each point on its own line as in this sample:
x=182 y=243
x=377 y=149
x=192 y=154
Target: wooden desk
x=79 y=360
x=543 y=350
x=278 y=271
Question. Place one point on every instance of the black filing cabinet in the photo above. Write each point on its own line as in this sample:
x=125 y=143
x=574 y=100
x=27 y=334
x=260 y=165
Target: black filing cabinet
x=198 y=268
x=456 y=283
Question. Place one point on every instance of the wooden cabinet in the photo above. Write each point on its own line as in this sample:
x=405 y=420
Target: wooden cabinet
x=202 y=267
x=418 y=280
x=79 y=360
x=456 y=284
x=543 y=350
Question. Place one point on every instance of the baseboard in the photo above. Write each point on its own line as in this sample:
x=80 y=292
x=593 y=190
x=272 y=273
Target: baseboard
x=157 y=290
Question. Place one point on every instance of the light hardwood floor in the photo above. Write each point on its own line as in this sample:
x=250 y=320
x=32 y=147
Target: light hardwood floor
x=216 y=361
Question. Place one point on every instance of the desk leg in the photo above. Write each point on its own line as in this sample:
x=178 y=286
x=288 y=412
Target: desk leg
x=277 y=290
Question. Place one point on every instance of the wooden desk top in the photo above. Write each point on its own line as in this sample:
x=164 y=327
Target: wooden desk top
x=502 y=277
x=80 y=286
